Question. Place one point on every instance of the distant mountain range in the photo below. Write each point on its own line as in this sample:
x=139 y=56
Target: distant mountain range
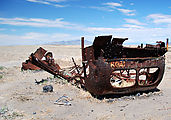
x=78 y=42
x=71 y=42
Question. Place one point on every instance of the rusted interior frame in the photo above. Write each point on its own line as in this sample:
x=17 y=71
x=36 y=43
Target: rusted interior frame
x=100 y=83
x=98 y=77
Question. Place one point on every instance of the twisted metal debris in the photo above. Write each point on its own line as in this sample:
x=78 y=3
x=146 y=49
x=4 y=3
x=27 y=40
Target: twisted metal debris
x=108 y=67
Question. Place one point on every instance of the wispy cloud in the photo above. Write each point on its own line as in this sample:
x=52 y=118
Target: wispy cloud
x=39 y=1
x=160 y=18
x=49 y=2
x=133 y=29
x=135 y=33
x=113 y=4
x=134 y=21
x=131 y=3
x=132 y=26
x=45 y=37
x=38 y=22
x=102 y=8
x=127 y=11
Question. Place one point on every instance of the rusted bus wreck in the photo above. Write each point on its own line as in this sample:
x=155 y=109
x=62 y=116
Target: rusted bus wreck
x=114 y=69
x=110 y=68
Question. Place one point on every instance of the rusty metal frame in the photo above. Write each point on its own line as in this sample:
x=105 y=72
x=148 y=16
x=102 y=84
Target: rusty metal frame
x=101 y=68
x=106 y=60
x=98 y=80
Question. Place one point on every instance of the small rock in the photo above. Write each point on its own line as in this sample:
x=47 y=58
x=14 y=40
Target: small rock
x=48 y=88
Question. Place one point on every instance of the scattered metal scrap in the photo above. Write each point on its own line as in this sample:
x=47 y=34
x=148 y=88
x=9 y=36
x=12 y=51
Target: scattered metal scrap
x=40 y=54
x=110 y=68
x=40 y=82
x=64 y=100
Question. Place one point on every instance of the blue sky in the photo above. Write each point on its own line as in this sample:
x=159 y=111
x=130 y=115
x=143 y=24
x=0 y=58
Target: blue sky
x=30 y=22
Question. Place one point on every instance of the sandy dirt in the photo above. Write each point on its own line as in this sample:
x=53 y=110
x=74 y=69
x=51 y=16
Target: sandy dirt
x=21 y=98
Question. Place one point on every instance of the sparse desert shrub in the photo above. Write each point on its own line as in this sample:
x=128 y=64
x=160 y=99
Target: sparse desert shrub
x=2 y=67
x=1 y=76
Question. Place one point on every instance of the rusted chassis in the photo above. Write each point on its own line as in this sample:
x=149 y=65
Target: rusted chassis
x=108 y=67
x=100 y=71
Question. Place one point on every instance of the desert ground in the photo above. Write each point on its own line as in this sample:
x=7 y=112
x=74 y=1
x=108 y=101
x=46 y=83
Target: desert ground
x=21 y=98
